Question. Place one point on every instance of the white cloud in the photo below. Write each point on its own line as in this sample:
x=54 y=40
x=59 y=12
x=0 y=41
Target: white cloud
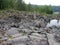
x=43 y=2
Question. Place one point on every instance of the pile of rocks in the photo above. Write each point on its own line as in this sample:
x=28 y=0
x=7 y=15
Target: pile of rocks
x=26 y=29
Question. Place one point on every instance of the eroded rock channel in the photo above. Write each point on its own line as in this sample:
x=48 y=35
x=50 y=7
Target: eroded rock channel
x=28 y=30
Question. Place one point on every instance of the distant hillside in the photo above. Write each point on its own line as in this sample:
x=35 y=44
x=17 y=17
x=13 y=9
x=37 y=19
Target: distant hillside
x=56 y=8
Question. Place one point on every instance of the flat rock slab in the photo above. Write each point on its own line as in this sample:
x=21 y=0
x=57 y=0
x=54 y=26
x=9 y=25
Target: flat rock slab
x=34 y=39
x=51 y=40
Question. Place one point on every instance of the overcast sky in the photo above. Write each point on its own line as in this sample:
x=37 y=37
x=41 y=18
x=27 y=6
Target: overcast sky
x=44 y=2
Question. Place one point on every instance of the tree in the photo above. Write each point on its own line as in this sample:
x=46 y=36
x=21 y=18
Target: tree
x=1 y=4
x=5 y=4
x=29 y=8
x=21 y=5
x=46 y=9
x=49 y=10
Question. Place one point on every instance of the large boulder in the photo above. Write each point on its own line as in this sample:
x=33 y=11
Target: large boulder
x=57 y=35
x=33 y=39
x=39 y=23
x=12 y=31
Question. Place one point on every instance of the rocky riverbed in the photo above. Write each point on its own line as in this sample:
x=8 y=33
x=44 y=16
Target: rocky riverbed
x=28 y=29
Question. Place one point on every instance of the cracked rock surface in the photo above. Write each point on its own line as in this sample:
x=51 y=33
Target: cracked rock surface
x=28 y=30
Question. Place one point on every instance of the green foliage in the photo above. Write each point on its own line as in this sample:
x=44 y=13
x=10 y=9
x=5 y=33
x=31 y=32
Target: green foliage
x=59 y=14
x=21 y=6
x=41 y=9
x=2 y=4
x=44 y=9
x=6 y=4
x=49 y=10
x=29 y=7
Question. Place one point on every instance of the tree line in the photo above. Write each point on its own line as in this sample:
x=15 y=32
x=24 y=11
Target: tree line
x=22 y=6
